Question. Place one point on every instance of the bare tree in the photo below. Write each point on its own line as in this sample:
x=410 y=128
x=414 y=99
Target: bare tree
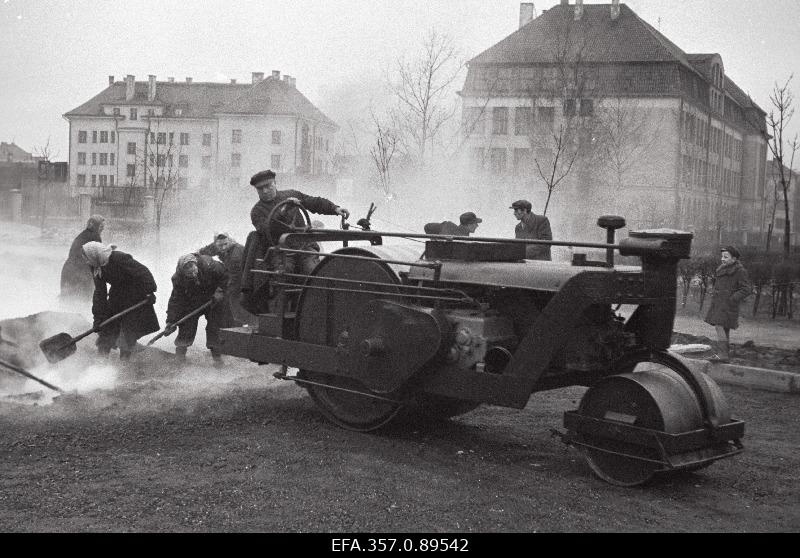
x=382 y=151
x=422 y=87
x=45 y=153
x=161 y=170
x=783 y=150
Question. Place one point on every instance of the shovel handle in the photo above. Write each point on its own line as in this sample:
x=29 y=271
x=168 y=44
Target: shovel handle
x=191 y=314
x=113 y=318
x=27 y=374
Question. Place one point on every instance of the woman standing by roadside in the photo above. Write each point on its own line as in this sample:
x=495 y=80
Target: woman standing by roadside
x=731 y=287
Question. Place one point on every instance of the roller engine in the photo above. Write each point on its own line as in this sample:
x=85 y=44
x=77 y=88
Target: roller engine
x=381 y=333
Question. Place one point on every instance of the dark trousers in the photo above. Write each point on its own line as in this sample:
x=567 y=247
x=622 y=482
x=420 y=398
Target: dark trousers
x=117 y=334
x=214 y=321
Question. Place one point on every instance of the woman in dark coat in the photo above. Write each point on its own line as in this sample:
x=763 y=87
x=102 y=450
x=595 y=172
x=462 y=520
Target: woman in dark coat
x=731 y=287
x=119 y=283
x=76 y=275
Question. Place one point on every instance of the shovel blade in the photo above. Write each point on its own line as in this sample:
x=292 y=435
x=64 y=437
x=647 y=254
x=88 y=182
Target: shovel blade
x=58 y=347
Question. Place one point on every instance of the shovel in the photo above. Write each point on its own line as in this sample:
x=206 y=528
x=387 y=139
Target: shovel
x=61 y=345
x=27 y=374
x=191 y=314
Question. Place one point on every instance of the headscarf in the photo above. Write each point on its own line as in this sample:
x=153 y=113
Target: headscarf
x=94 y=222
x=96 y=255
x=180 y=271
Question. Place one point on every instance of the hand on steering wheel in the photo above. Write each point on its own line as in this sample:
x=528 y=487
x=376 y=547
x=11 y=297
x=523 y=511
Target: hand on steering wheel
x=283 y=217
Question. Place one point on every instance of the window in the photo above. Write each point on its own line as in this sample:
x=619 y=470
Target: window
x=131 y=172
x=170 y=160
x=103 y=180
x=81 y=180
x=206 y=139
x=569 y=107
x=236 y=136
x=134 y=114
x=111 y=180
x=94 y=136
x=94 y=180
x=276 y=137
x=497 y=160
x=236 y=159
x=184 y=138
x=82 y=136
x=183 y=161
x=110 y=158
x=103 y=159
x=161 y=138
x=81 y=158
x=162 y=159
x=522 y=120
x=103 y=137
x=587 y=107
x=500 y=121
x=151 y=112
x=206 y=162
x=172 y=138
x=276 y=161
x=131 y=148
x=152 y=160
x=113 y=137
x=116 y=111
x=545 y=115
x=94 y=158
x=522 y=161
x=178 y=112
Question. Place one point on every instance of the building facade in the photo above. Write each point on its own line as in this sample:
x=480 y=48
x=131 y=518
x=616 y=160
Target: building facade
x=136 y=137
x=774 y=204
x=594 y=106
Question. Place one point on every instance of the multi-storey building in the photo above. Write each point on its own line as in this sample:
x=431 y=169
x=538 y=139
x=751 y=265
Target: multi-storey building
x=193 y=135
x=596 y=105
x=773 y=205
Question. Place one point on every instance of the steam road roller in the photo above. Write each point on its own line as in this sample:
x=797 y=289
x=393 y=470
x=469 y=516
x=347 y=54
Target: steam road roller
x=383 y=329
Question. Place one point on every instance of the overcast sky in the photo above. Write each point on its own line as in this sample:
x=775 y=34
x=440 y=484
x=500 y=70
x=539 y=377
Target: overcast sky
x=56 y=54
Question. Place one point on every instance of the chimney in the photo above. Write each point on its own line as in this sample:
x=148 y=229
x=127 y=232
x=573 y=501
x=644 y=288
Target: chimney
x=171 y=79
x=233 y=81
x=525 y=13
x=188 y=80
x=276 y=74
x=258 y=76
x=614 y=9
x=565 y=2
x=151 y=87
x=111 y=80
x=578 y=9
x=130 y=86
x=294 y=82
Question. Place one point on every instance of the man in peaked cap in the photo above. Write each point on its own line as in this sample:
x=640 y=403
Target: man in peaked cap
x=536 y=227
x=468 y=223
x=258 y=241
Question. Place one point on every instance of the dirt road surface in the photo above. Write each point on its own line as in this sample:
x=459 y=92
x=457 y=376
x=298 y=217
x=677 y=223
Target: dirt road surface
x=237 y=450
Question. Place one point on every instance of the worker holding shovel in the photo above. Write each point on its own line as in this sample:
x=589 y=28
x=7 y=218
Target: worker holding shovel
x=197 y=280
x=120 y=282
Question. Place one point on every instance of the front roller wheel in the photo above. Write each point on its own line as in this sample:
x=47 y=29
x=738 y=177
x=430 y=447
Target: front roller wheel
x=347 y=403
x=650 y=395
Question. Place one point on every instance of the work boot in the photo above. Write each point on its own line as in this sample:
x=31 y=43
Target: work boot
x=180 y=355
x=217 y=358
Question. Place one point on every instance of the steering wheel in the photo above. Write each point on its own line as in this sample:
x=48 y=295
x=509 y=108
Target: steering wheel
x=283 y=219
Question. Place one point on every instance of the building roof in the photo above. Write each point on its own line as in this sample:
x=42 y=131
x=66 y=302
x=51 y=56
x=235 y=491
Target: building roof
x=595 y=37
x=270 y=96
x=14 y=153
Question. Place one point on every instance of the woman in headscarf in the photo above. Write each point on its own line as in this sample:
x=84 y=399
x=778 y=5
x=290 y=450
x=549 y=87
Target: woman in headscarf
x=731 y=287
x=119 y=283
x=76 y=276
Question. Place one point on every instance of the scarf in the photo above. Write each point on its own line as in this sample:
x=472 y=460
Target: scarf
x=180 y=272
x=728 y=268
x=96 y=255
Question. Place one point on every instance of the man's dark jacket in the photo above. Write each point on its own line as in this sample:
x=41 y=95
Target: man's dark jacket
x=535 y=227
x=187 y=296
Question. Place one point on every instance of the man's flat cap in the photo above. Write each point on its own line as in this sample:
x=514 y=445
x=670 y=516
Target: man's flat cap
x=521 y=204
x=469 y=217
x=261 y=176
